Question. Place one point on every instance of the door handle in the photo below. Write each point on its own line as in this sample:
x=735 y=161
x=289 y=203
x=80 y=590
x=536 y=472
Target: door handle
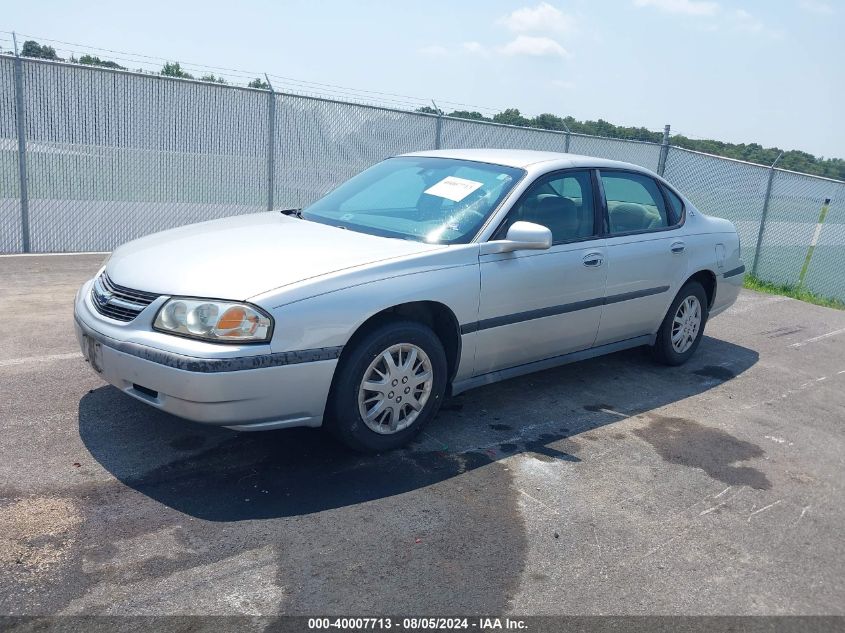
x=678 y=247
x=593 y=259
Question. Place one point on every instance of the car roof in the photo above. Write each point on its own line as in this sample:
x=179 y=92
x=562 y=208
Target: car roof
x=523 y=158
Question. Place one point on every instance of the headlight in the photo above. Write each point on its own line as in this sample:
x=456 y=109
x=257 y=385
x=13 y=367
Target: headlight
x=218 y=321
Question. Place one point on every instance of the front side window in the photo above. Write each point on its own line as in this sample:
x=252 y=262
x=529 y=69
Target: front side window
x=634 y=203
x=562 y=202
x=435 y=200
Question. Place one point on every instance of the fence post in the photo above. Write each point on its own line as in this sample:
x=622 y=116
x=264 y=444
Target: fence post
x=568 y=137
x=271 y=144
x=664 y=151
x=764 y=216
x=21 y=120
x=438 y=126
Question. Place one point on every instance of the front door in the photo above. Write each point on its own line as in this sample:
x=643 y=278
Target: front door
x=540 y=304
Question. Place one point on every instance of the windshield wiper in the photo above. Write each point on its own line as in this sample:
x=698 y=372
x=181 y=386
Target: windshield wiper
x=297 y=213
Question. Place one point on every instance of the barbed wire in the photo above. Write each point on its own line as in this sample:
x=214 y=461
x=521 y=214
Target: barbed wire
x=282 y=83
x=237 y=73
x=151 y=63
x=88 y=48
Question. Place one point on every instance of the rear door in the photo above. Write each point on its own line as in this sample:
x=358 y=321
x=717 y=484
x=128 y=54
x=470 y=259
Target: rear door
x=540 y=304
x=646 y=255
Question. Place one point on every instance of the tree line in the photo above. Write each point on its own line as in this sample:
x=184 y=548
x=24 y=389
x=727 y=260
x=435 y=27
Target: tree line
x=795 y=160
x=32 y=48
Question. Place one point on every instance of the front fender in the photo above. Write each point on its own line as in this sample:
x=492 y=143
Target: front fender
x=330 y=319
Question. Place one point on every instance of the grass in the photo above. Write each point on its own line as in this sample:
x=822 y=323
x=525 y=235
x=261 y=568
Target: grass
x=796 y=292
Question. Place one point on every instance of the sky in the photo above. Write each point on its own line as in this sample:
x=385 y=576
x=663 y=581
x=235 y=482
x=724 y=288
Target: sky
x=760 y=71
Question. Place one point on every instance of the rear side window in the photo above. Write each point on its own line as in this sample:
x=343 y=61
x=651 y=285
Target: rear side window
x=634 y=203
x=676 y=205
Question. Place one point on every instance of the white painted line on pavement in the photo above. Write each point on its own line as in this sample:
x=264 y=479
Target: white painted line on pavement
x=789 y=392
x=38 y=359
x=549 y=508
x=771 y=505
x=713 y=509
x=748 y=302
x=612 y=412
x=818 y=338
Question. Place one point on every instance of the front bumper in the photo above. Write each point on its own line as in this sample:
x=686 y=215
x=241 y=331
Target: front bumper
x=256 y=391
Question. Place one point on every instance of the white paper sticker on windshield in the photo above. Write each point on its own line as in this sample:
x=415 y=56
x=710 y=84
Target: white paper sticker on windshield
x=453 y=188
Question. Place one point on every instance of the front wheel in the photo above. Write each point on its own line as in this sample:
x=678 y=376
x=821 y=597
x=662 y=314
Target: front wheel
x=388 y=387
x=682 y=328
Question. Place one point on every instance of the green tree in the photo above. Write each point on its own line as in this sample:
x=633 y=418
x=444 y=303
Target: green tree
x=173 y=69
x=31 y=48
x=210 y=77
x=511 y=116
x=90 y=60
x=548 y=122
x=468 y=114
x=258 y=83
x=427 y=110
x=752 y=152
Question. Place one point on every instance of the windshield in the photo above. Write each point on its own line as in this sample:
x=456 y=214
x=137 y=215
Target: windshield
x=435 y=200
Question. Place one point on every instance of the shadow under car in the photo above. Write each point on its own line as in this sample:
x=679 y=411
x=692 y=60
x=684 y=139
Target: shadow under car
x=222 y=475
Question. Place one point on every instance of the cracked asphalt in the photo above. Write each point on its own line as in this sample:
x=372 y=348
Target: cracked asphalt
x=612 y=486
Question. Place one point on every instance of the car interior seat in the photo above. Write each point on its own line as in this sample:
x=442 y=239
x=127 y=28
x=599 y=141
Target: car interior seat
x=629 y=216
x=586 y=219
x=656 y=221
x=558 y=214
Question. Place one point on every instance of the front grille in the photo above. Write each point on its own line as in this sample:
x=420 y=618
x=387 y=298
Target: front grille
x=118 y=302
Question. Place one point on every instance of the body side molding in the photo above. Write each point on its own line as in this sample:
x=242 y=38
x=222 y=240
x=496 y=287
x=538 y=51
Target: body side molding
x=548 y=363
x=518 y=317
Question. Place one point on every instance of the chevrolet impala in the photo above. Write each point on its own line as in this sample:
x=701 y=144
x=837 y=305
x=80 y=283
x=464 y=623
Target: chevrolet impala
x=425 y=275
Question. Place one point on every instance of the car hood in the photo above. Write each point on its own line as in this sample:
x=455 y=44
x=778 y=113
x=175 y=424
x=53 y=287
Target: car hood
x=242 y=256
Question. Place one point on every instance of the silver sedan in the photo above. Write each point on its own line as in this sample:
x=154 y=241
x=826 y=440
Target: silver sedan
x=425 y=275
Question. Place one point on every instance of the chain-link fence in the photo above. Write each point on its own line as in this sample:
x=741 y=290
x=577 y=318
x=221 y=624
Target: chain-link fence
x=726 y=188
x=318 y=144
x=10 y=195
x=792 y=225
x=637 y=152
x=113 y=156
x=109 y=155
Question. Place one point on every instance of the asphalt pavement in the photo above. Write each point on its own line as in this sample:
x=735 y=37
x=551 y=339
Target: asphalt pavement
x=612 y=486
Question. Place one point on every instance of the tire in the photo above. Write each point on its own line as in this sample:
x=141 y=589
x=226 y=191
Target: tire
x=349 y=400
x=669 y=353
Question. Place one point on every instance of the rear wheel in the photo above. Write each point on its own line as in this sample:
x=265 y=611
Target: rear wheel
x=682 y=328
x=388 y=387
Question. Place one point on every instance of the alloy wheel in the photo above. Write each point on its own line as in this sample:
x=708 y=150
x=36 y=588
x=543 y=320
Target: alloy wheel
x=686 y=324
x=395 y=388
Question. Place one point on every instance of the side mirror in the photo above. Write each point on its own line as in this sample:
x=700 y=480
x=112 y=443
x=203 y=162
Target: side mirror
x=521 y=236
